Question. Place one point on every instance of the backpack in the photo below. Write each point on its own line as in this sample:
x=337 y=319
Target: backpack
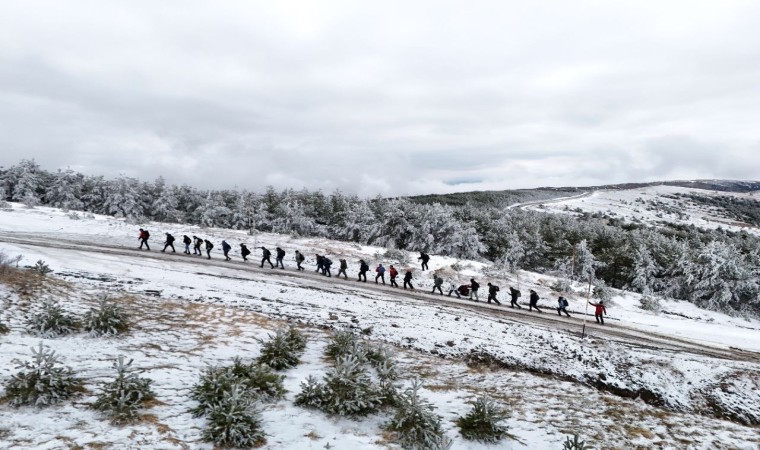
x=169 y=238
x=519 y=294
x=147 y=234
x=496 y=289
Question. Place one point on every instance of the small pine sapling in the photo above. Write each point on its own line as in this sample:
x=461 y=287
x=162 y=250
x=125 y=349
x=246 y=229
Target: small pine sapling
x=296 y=339
x=121 y=398
x=266 y=384
x=278 y=352
x=482 y=423
x=52 y=321
x=41 y=268
x=213 y=383
x=348 y=389
x=343 y=342
x=415 y=423
x=106 y=319
x=42 y=383
x=235 y=420
x=574 y=444
x=312 y=394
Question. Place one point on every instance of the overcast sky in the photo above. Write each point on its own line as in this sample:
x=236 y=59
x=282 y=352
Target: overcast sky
x=383 y=97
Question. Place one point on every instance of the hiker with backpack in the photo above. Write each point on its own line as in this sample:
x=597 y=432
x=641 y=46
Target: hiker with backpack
x=380 y=270
x=599 y=312
x=197 y=242
x=533 y=301
x=226 y=250
x=343 y=268
x=320 y=264
x=393 y=273
x=244 y=252
x=279 y=258
x=408 y=279
x=299 y=260
x=363 y=269
x=562 y=306
x=474 y=286
x=425 y=258
x=186 y=240
x=437 y=283
x=209 y=246
x=326 y=264
x=515 y=294
x=492 y=290
x=266 y=254
x=464 y=290
x=143 y=238
x=169 y=243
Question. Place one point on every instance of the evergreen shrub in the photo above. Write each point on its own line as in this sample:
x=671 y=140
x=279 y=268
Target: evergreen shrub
x=106 y=319
x=52 y=321
x=41 y=382
x=121 y=398
x=283 y=350
x=482 y=423
x=235 y=420
x=415 y=423
x=574 y=444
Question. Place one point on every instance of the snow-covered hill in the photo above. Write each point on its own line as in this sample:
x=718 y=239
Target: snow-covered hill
x=686 y=364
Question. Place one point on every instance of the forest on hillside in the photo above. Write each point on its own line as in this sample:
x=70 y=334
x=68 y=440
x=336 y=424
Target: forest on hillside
x=715 y=269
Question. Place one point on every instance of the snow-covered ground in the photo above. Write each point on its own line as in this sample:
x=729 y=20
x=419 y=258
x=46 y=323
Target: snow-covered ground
x=553 y=382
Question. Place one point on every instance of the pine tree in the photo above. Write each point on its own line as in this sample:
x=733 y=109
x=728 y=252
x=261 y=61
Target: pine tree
x=65 y=191
x=415 y=423
x=121 y=398
x=586 y=263
x=163 y=206
x=42 y=383
x=574 y=444
x=108 y=318
x=122 y=198
x=283 y=350
x=235 y=420
x=52 y=321
x=644 y=271
x=28 y=183
x=482 y=423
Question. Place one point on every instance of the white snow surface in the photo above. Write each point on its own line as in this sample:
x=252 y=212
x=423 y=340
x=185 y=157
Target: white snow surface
x=207 y=312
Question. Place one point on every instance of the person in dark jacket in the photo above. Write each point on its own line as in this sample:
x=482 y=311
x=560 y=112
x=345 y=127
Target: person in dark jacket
x=474 y=286
x=363 y=269
x=326 y=265
x=244 y=252
x=266 y=254
x=226 y=250
x=425 y=258
x=393 y=273
x=320 y=264
x=209 y=246
x=599 y=312
x=515 y=294
x=380 y=271
x=437 y=283
x=197 y=242
x=299 y=260
x=278 y=259
x=492 y=290
x=562 y=305
x=343 y=268
x=533 y=301
x=143 y=238
x=408 y=280
x=169 y=243
x=186 y=240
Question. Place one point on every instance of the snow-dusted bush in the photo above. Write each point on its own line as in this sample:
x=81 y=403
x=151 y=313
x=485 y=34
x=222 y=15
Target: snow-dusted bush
x=41 y=268
x=650 y=303
x=574 y=444
x=397 y=256
x=107 y=318
x=235 y=420
x=121 y=398
x=602 y=292
x=52 y=321
x=266 y=384
x=210 y=389
x=561 y=285
x=8 y=262
x=283 y=350
x=343 y=342
x=41 y=382
x=347 y=390
x=482 y=423
x=415 y=423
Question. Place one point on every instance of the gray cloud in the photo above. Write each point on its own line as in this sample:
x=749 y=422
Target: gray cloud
x=392 y=98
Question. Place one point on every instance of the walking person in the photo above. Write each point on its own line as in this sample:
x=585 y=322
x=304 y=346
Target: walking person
x=278 y=259
x=266 y=254
x=562 y=305
x=474 y=286
x=186 y=240
x=326 y=264
x=533 y=301
x=209 y=246
x=343 y=268
x=320 y=264
x=244 y=252
x=599 y=312
x=363 y=269
x=492 y=290
x=380 y=270
x=226 y=250
x=393 y=273
x=197 y=242
x=299 y=260
x=143 y=238
x=437 y=283
x=408 y=279
x=169 y=243
x=425 y=258
x=453 y=288
x=515 y=294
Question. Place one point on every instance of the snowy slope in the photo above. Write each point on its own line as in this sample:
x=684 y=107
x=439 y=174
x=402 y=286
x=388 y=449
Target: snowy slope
x=209 y=311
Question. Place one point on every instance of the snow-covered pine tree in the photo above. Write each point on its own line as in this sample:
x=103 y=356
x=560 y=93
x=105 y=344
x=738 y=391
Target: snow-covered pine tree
x=724 y=282
x=483 y=421
x=645 y=270
x=41 y=382
x=107 y=318
x=66 y=190
x=348 y=390
x=235 y=420
x=513 y=254
x=416 y=424
x=121 y=398
x=586 y=264
x=574 y=444
x=27 y=187
x=213 y=212
x=52 y=321
x=122 y=198
x=3 y=198
x=163 y=202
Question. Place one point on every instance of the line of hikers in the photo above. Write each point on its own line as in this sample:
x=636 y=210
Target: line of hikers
x=324 y=265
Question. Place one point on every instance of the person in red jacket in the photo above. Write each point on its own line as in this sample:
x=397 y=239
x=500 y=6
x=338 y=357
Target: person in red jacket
x=144 y=236
x=600 y=311
x=394 y=273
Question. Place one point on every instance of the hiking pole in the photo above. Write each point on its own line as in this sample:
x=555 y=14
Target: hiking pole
x=588 y=299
